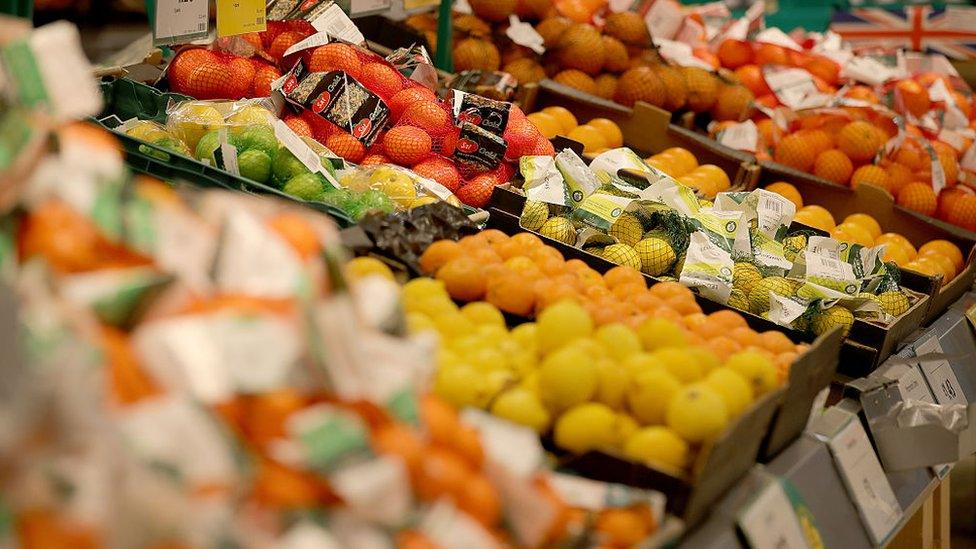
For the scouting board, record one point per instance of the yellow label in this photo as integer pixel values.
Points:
(416, 4)
(241, 17)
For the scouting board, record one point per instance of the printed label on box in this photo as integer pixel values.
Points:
(939, 373)
(180, 21)
(769, 521)
(866, 482)
(241, 17)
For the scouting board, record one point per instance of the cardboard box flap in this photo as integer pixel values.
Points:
(809, 374)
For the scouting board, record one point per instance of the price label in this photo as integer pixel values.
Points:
(769, 521)
(241, 17)
(938, 372)
(337, 24)
(180, 21)
(866, 482)
(366, 7)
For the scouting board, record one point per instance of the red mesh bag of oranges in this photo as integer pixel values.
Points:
(205, 74)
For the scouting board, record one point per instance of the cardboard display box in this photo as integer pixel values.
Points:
(809, 374)
(646, 129)
(842, 201)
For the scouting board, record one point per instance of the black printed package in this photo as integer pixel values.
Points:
(487, 114)
(478, 150)
(415, 64)
(339, 99)
(494, 84)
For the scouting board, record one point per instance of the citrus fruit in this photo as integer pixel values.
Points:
(567, 121)
(834, 316)
(611, 131)
(696, 413)
(657, 445)
(732, 387)
(592, 139)
(522, 406)
(788, 192)
(547, 124)
(650, 393)
(759, 297)
(859, 141)
(561, 324)
(584, 427)
(627, 229)
(559, 228)
(656, 255)
(866, 222)
(945, 248)
(794, 151)
(361, 267)
(534, 215)
(658, 333)
(833, 165)
(871, 175)
(918, 197)
(895, 303)
(756, 368)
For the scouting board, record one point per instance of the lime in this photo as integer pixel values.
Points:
(206, 147)
(286, 166)
(255, 165)
(251, 115)
(306, 186)
(261, 138)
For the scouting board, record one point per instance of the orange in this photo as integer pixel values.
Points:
(925, 266)
(591, 138)
(833, 165)
(871, 175)
(822, 214)
(777, 342)
(723, 346)
(851, 232)
(463, 278)
(948, 268)
(511, 294)
(441, 473)
(715, 175)
(728, 319)
(896, 239)
(771, 54)
(909, 156)
(734, 53)
(859, 141)
(298, 232)
(745, 336)
(912, 97)
(897, 254)
(823, 68)
(480, 499)
(963, 212)
(682, 157)
(398, 440)
(769, 132)
(439, 253)
(864, 93)
(819, 139)
(787, 191)
(621, 275)
(918, 197)
(866, 222)
(547, 124)
(950, 164)
(947, 198)
(945, 248)
(566, 119)
(898, 176)
(610, 130)
(794, 151)
(622, 527)
(751, 77)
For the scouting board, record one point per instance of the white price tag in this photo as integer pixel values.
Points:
(775, 36)
(769, 521)
(314, 41)
(335, 22)
(507, 444)
(664, 19)
(180, 21)
(679, 53)
(741, 137)
(790, 86)
(297, 147)
(365, 7)
(866, 482)
(229, 154)
(939, 374)
(524, 34)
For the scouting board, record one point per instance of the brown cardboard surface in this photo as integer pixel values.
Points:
(842, 201)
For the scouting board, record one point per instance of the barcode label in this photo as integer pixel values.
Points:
(201, 27)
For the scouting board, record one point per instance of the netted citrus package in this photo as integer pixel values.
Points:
(405, 189)
(205, 74)
(190, 121)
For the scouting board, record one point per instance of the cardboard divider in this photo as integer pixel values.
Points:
(842, 201)
(646, 129)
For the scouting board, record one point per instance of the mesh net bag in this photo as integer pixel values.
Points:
(206, 74)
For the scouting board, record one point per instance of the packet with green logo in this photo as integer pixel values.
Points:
(543, 181)
(601, 210)
(786, 311)
(825, 277)
(707, 268)
(579, 178)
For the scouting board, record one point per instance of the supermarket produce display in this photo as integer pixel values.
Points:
(637, 275)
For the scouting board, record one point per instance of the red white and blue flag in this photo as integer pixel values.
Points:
(950, 30)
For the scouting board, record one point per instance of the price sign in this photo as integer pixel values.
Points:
(180, 21)
(866, 482)
(241, 17)
(769, 520)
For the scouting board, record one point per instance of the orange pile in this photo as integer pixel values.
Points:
(523, 276)
(936, 257)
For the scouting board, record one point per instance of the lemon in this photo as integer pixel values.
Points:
(612, 383)
(534, 214)
(627, 229)
(638, 363)
(360, 267)
(739, 300)
(398, 186)
(483, 313)
(834, 316)
(525, 334)
(656, 255)
(190, 122)
(681, 364)
(697, 413)
(656, 446)
(419, 322)
(146, 131)
(705, 359)
(460, 385)
(522, 406)
(744, 276)
(894, 303)
(625, 428)
(618, 340)
(250, 115)
(423, 287)
(419, 201)
(453, 325)
(657, 333)
(650, 394)
(567, 377)
(732, 387)
(585, 427)
(622, 254)
(559, 228)
(759, 296)
(756, 368)
(562, 323)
